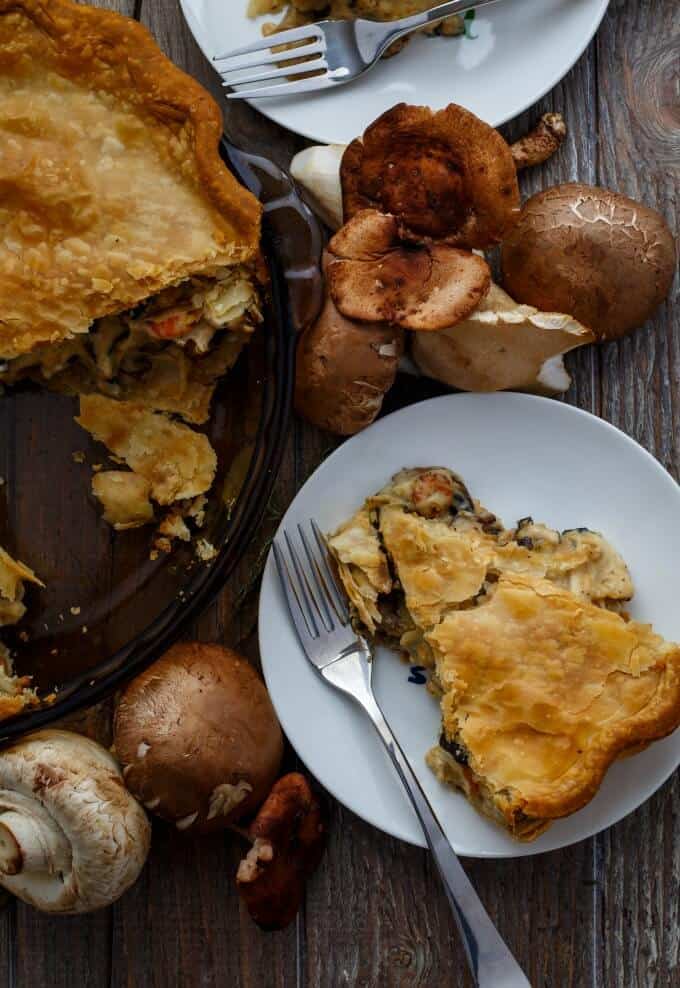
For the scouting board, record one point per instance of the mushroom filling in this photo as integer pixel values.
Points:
(173, 345)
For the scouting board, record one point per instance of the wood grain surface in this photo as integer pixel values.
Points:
(604, 913)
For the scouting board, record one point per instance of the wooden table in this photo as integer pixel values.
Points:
(603, 913)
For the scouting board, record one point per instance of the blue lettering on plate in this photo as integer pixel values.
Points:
(418, 675)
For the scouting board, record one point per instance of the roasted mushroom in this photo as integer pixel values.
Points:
(374, 276)
(344, 369)
(502, 345)
(198, 737)
(605, 259)
(72, 838)
(289, 837)
(444, 175)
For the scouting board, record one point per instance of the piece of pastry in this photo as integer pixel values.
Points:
(15, 691)
(176, 462)
(129, 258)
(542, 681)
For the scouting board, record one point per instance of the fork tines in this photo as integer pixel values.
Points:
(315, 599)
(249, 64)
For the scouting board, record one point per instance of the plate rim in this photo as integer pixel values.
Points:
(267, 107)
(523, 849)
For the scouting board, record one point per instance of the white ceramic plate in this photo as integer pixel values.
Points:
(520, 455)
(521, 50)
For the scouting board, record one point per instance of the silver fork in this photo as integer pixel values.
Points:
(343, 659)
(338, 52)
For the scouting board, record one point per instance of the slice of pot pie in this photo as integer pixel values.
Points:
(542, 681)
(129, 258)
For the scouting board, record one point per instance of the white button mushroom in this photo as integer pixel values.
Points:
(72, 838)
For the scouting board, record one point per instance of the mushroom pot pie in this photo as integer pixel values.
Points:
(128, 252)
(542, 679)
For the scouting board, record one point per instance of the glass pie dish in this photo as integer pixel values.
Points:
(108, 609)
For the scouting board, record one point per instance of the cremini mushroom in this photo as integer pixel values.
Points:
(502, 345)
(445, 175)
(374, 276)
(289, 837)
(344, 369)
(598, 255)
(316, 169)
(72, 838)
(198, 738)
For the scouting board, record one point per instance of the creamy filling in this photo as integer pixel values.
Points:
(170, 346)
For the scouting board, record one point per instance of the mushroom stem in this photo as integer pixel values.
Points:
(540, 143)
(23, 845)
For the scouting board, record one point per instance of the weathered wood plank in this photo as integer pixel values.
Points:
(639, 860)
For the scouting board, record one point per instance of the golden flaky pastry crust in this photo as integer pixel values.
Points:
(111, 184)
(544, 690)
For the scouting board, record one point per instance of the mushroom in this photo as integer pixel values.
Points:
(344, 369)
(374, 276)
(600, 256)
(502, 345)
(540, 143)
(444, 175)
(72, 838)
(198, 737)
(289, 837)
(316, 169)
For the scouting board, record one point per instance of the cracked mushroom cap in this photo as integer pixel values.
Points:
(445, 175)
(374, 276)
(72, 838)
(502, 345)
(605, 259)
(198, 737)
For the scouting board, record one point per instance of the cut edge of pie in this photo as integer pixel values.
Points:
(426, 568)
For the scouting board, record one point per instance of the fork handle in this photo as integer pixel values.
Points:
(432, 16)
(491, 962)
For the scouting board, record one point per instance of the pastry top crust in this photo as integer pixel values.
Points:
(111, 184)
(545, 690)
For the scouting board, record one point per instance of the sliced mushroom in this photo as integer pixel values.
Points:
(445, 175)
(72, 838)
(198, 737)
(600, 256)
(374, 276)
(288, 838)
(502, 345)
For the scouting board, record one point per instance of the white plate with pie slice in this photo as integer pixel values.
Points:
(519, 455)
(512, 54)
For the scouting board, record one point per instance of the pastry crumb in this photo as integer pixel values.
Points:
(205, 551)
(78, 456)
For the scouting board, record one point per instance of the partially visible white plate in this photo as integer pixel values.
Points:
(520, 455)
(521, 50)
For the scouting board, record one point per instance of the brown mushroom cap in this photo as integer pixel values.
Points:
(376, 277)
(597, 255)
(344, 370)
(445, 175)
(198, 738)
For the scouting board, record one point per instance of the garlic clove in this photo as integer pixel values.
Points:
(317, 172)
